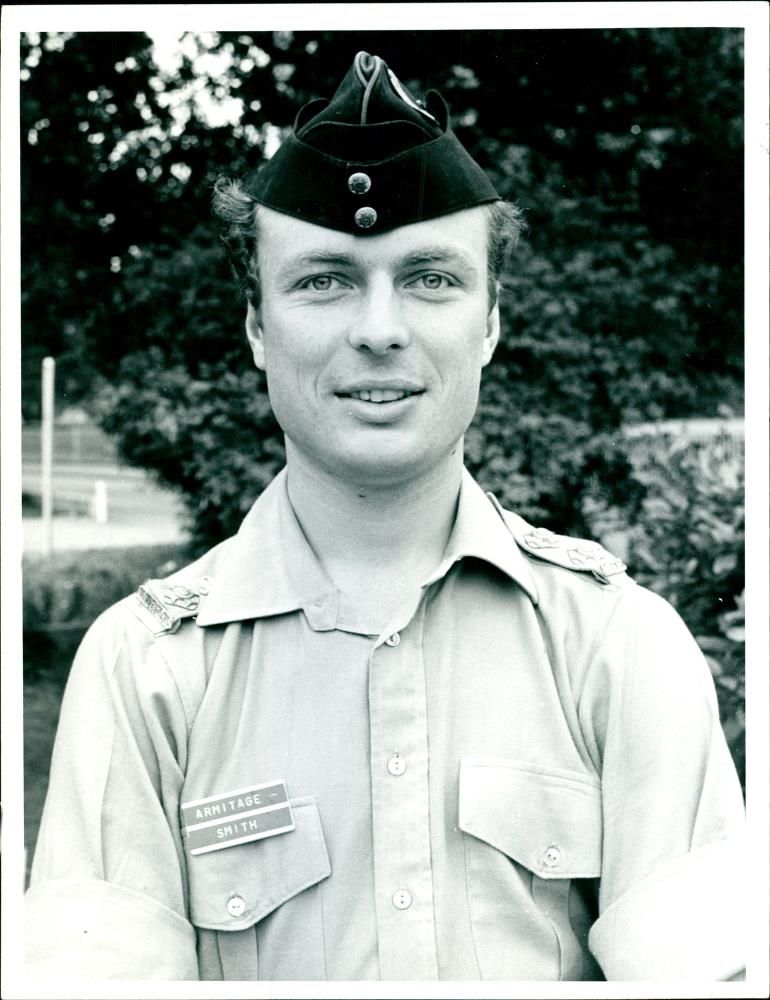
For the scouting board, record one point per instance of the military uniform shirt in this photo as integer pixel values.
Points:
(522, 777)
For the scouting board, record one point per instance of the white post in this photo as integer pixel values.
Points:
(46, 458)
(100, 506)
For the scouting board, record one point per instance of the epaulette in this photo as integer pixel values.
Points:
(163, 605)
(561, 550)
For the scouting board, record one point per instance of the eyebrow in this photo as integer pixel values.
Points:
(432, 254)
(323, 257)
(436, 255)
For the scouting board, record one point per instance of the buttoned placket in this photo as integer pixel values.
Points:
(400, 804)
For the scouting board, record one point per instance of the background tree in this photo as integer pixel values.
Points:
(623, 147)
(80, 106)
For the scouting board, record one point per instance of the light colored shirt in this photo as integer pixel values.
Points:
(523, 777)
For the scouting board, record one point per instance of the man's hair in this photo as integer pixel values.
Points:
(237, 212)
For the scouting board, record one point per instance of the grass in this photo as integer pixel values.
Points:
(42, 699)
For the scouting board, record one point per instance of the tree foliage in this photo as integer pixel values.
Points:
(622, 147)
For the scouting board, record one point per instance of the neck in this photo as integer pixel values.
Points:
(375, 540)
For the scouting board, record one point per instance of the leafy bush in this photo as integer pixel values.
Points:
(689, 546)
(64, 593)
(213, 436)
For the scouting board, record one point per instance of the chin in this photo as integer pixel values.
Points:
(379, 470)
(383, 467)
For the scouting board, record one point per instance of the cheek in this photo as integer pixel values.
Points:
(458, 351)
(295, 363)
(290, 353)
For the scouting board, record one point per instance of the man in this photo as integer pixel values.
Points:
(390, 730)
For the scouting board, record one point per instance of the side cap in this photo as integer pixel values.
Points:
(371, 159)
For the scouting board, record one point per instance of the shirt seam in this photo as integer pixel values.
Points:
(185, 695)
(598, 642)
(471, 921)
(111, 672)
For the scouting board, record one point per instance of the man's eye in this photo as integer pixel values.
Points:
(431, 282)
(321, 283)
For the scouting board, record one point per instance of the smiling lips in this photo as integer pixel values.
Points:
(380, 395)
(375, 395)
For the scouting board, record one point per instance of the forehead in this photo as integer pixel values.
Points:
(284, 240)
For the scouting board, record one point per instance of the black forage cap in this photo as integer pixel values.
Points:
(371, 159)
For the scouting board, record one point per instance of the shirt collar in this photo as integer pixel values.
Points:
(480, 532)
(270, 568)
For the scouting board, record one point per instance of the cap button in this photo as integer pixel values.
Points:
(365, 218)
(359, 183)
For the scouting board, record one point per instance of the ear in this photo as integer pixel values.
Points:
(492, 334)
(255, 338)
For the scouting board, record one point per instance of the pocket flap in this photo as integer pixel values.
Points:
(235, 887)
(547, 819)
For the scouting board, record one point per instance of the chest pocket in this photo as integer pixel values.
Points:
(262, 902)
(532, 846)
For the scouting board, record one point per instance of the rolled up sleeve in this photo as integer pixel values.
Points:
(672, 926)
(108, 895)
(103, 931)
(673, 886)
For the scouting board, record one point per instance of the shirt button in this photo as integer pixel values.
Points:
(365, 218)
(393, 640)
(359, 183)
(552, 856)
(402, 900)
(236, 906)
(396, 765)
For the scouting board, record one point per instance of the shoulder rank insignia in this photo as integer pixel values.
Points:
(561, 550)
(166, 604)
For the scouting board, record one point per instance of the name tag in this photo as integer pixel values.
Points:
(237, 817)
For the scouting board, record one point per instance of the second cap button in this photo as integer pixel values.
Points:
(365, 218)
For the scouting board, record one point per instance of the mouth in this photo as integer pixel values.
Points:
(379, 395)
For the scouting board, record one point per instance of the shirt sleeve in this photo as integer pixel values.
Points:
(107, 898)
(672, 890)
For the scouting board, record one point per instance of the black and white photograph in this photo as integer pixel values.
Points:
(384, 417)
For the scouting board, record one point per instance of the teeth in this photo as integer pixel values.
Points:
(379, 395)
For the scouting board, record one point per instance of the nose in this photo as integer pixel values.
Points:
(380, 325)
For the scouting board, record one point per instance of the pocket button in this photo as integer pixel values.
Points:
(236, 906)
(552, 856)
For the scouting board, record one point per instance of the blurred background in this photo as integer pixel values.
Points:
(613, 409)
